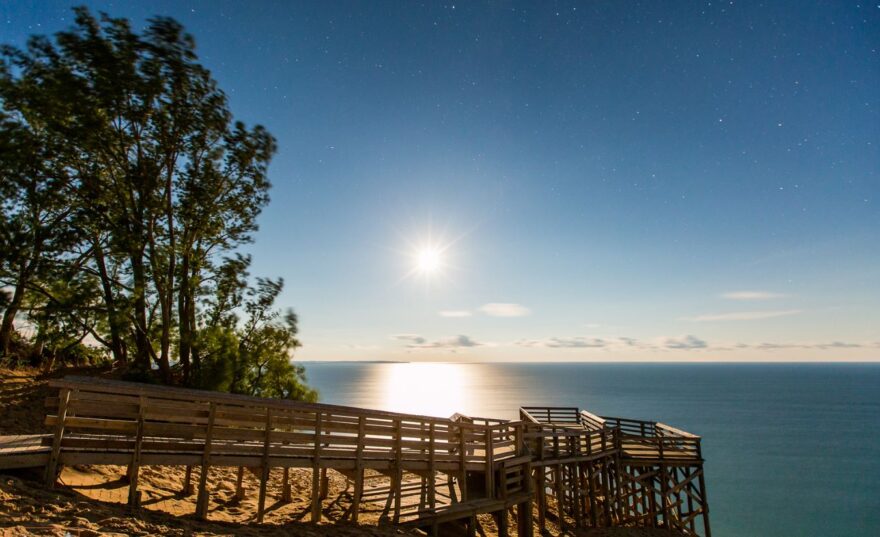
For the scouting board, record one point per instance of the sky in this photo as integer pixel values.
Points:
(621, 181)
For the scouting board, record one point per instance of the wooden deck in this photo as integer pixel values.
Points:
(24, 451)
(597, 471)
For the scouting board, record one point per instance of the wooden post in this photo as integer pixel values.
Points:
(239, 484)
(462, 453)
(705, 504)
(686, 474)
(502, 523)
(325, 484)
(264, 467)
(52, 467)
(560, 497)
(575, 482)
(202, 501)
(432, 468)
(490, 459)
(187, 489)
(594, 511)
(541, 486)
(359, 470)
(525, 526)
(664, 497)
(397, 480)
(286, 495)
(316, 474)
(135, 467)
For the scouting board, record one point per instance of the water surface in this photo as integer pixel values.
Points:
(791, 449)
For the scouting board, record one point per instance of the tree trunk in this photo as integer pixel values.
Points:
(8, 323)
(9, 314)
(116, 325)
(184, 329)
(141, 338)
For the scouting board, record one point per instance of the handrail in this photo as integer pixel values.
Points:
(591, 420)
(166, 392)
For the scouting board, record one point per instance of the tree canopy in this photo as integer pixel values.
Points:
(128, 190)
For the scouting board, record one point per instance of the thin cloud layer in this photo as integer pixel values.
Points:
(455, 313)
(741, 316)
(578, 342)
(503, 309)
(682, 343)
(751, 295)
(807, 346)
(415, 341)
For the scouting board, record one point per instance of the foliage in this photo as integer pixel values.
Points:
(127, 191)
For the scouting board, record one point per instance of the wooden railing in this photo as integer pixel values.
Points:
(570, 432)
(551, 414)
(109, 422)
(640, 439)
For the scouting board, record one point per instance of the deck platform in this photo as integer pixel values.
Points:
(595, 471)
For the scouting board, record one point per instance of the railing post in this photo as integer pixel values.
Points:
(203, 500)
(359, 470)
(490, 470)
(316, 471)
(540, 485)
(462, 456)
(264, 467)
(134, 469)
(706, 529)
(432, 467)
(55, 456)
(398, 471)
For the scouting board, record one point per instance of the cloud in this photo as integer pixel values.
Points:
(414, 341)
(751, 295)
(575, 343)
(741, 316)
(411, 338)
(817, 346)
(682, 343)
(455, 313)
(501, 309)
(679, 343)
(578, 342)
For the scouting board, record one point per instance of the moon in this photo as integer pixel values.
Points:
(428, 260)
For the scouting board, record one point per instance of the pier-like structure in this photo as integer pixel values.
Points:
(564, 464)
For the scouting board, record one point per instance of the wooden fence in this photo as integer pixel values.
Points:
(589, 471)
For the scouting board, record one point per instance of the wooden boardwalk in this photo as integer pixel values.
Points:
(582, 469)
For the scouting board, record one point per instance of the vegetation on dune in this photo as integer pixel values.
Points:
(126, 193)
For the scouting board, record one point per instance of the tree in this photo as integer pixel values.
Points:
(127, 141)
(260, 364)
(33, 212)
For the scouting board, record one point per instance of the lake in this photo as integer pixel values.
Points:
(791, 449)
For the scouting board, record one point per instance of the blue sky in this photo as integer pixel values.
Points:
(613, 180)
